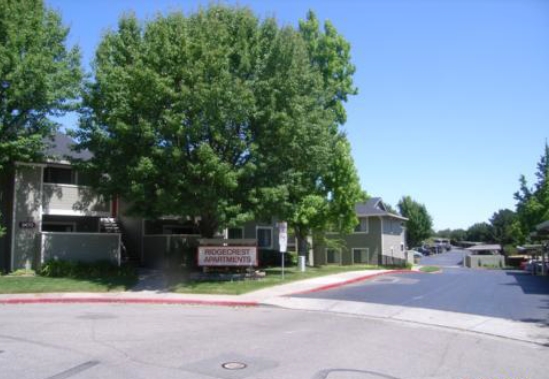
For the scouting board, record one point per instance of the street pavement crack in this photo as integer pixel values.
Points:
(325, 373)
(74, 370)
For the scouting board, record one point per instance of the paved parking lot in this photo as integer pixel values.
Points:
(512, 295)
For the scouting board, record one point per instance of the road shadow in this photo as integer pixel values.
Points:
(530, 284)
(151, 280)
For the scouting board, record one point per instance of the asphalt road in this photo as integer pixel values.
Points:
(89, 341)
(512, 295)
(453, 258)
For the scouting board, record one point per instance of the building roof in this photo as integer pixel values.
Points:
(375, 207)
(485, 248)
(544, 226)
(59, 148)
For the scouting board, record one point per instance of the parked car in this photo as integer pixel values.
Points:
(423, 250)
(535, 266)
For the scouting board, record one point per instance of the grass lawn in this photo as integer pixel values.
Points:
(40, 284)
(179, 283)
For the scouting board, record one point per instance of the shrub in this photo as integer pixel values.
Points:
(22, 272)
(68, 269)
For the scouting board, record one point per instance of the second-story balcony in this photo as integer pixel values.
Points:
(73, 200)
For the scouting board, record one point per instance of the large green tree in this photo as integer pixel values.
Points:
(533, 202)
(419, 225)
(334, 191)
(505, 227)
(39, 77)
(480, 232)
(215, 115)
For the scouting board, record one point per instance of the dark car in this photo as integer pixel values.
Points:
(423, 250)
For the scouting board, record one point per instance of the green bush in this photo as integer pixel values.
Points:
(269, 258)
(67, 269)
(22, 272)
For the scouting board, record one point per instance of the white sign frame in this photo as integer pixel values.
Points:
(227, 256)
(283, 237)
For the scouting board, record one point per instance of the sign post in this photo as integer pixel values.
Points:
(283, 242)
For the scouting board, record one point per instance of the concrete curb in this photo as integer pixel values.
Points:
(126, 300)
(463, 322)
(352, 281)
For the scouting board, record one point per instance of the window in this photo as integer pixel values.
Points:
(361, 255)
(333, 256)
(178, 229)
(59, 175)
(58, 227)
(362, 226)
(235, 233)
(264, 237)
(391, 227)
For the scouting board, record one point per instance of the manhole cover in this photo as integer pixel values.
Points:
(234, 366)
(231, 366)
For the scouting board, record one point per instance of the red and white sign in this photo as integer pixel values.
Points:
(224, 256)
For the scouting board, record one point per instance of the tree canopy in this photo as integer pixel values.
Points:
(479, 232)
(419, 225)
(39, 78)
(221, 117)
(505, 227)
(533, 202)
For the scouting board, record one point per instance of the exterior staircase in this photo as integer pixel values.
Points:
(112, 225)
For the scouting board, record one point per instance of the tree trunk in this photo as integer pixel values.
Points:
(208, 226)
(302, 244)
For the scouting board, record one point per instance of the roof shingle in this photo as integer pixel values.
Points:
(60, 148)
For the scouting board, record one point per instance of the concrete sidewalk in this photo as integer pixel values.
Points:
(147, 293)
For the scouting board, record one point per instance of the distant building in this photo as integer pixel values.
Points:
(379, 238)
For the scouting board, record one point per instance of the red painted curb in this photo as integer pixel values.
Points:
(351, 281)
(80, 300)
